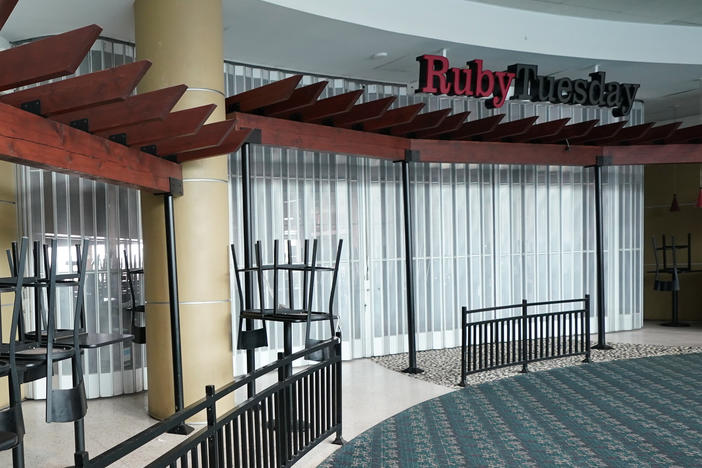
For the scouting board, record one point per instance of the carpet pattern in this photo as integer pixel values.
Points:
(443, 366)
(629, 413)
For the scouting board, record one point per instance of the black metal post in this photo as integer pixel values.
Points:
(599, 260)
(248, 284)
(409, 270)
(338, 440)
(182, 429)
(464, 332)
(525, 337)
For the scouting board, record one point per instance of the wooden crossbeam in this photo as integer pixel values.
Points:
(449, 125)
(135, 109)
(185, 122)
(300, 98)
(601, 132)
(312, 137)
(571, 131)
(230, 144)
(208, 136)
(363, 112)
(325, 109)
(492, 152)
(393, 118)
(657, 134)
(476, 127)
(685, 135)
(114, 84)
(626, 134)
(35, 141)
(426, 121)
(47, 58)
(654, 154)
(263, 96)
(542, 130)
(6, 7)
(509, 129)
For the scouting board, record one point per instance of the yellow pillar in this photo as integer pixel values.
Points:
(183, 40)
(8, 234)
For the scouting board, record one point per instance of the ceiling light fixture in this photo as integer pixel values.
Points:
(378, 55)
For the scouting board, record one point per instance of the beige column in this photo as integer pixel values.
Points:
(183, 40)
(8, 234)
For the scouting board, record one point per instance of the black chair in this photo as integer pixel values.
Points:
(136, 310)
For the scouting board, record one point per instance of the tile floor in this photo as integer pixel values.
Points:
(371, 394)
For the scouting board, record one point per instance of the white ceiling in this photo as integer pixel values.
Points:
(677, 12)
(259, 32)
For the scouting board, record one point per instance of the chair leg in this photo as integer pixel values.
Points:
(18, 456)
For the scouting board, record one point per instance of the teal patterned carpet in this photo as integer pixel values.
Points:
(633, 413)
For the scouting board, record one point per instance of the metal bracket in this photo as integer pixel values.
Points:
(176, 187)
(255, 137)
(32, 106)
(603, 160)
(151, 149)
(170, 157)
(411, 155)
(80, 124)
(120, 138)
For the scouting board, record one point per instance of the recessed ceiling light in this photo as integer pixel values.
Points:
(378, 55)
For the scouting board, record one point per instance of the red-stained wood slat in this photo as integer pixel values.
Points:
(627, 134)
(657, 134)
(571, 131)
(46, 58)
(601, 132)
(503, 153)
(654, 154)
(539, 131)
(181, 123)
(263, 96)
(393, 118)
(208, 136)
(685, 135)
(449, 125)
(300, 98)
(38, 142)
(114, 84)
(509, 129)
(6, 7)
(426, 121)
(363, 112)
(291, 134)
(145, 107)
(231, 143)
(325, 109)
(476, 127)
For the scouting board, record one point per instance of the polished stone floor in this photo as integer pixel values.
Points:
(371, 393)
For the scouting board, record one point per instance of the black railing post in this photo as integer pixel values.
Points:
(463, 346)
(339, 440)
(409, 267)
(281, 422)
(525, 337)
(248, 234)
(587, 328)
(213, 449)
(183, 429)
(599, 260)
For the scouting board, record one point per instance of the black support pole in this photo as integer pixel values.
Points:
(599, 259)
(409, 270)
(248, 285)
(182, 429)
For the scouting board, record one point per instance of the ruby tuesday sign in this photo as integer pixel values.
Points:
(437, 77)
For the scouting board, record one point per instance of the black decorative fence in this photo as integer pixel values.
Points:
(524, 338)
(273, 428)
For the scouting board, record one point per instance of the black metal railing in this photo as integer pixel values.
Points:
(273, 428)
(524, 338)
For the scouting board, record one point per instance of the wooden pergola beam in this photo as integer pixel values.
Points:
(627, 134)
(185, 122)
(35, 141)
(47, 58)
(572, 131)
(312, 137)
(103, 87)
(543, 130)
(476, 127)
(230, 144)
(684, 135)
(514, 128)
(363, 112)
(154, 105)
(449, 125)
(299, 99)
(653, 154)
(426, 121)
(327, 108)
(393, 118)
(6, 7)
(263, 96)
(601, 132)
(208, 136)
(657, 134)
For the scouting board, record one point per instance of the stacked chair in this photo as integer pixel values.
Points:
(136, 310)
